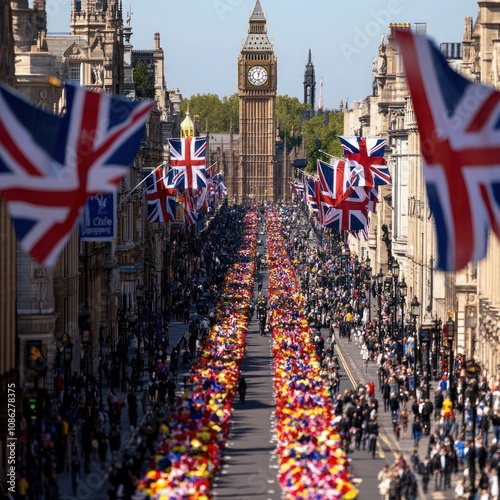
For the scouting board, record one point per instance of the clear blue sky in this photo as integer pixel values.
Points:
(202, 38)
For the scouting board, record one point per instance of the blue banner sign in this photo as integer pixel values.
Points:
(98, 221)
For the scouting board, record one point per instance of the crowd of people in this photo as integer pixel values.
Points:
(339, 302)
(73, 431)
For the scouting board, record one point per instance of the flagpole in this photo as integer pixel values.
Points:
(143, 180)
(331, 156)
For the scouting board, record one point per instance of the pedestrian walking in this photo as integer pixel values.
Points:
(132, 408)
(242, 388)
(75, 475)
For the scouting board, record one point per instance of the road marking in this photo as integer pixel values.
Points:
(354, 384)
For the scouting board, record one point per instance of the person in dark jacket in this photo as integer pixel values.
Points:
(242, 388)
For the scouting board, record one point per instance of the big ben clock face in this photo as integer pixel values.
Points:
(257, 75)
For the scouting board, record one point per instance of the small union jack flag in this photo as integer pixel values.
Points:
(310, 193)
(368, 152)
(161, 197)
(50, 165)
(459, 124)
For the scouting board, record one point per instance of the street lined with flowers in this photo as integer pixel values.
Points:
(312, 462)
(190, 454)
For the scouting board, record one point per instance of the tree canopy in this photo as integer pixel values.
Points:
(143, 81)
(217, 112)
(319, 132)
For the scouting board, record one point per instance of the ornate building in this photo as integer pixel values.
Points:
(66, 312)
(8, 364)
(262, 173)
(471, 297)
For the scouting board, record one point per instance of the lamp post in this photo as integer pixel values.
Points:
(395, 276)
(368, 279)
(67, 351)
(356, 270)
(380, 281)
(402, 295)
(425, 335)
(415, 312)
(471, 323)
(472, 371)
(450, 335)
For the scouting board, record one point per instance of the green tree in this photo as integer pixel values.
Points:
(212, 110)
(289, 113)
(143, 81)
(320, 134)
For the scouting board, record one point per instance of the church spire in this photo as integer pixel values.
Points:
(320, 98)
(310, 84)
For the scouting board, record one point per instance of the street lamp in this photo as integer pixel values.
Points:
(415, 312)
(471, 323)
(395, 276)
(472, 371)
(380, 281)
(67, 351)
(402, 295)
(368, 279)
(450, 335)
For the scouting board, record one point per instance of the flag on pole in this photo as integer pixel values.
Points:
(459, 125)
(50, 164)
(160, 196)
(368, 152)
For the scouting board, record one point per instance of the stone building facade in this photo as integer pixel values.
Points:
(65, 313)
(8, 362)
(470, 297)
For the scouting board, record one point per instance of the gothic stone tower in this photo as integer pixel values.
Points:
(100, 24)
(257, 176)
(310, 84)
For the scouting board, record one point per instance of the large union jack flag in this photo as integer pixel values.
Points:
(350, 215)
(50, 165)
(188, 154)
(161, 194)
(368, 152)
(459, 124)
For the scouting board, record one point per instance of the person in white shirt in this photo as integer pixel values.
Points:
(494, 487)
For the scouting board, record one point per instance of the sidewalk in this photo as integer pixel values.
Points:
(349, 356)
(95, 484)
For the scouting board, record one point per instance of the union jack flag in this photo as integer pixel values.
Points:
(368, 152)
(350, 215)
(459, 124)
(161, 197)
(50, 165)
(311, 194)
(188, 154)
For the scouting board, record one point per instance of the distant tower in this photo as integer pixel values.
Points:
(258, 176)
(310, 84)
(320, 98)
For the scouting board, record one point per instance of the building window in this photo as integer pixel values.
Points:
(74, 71)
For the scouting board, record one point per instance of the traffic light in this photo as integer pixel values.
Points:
(32, 409)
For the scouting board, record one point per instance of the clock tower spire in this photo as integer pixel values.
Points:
(259, 176)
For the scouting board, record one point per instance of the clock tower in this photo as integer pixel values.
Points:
(259, 176)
